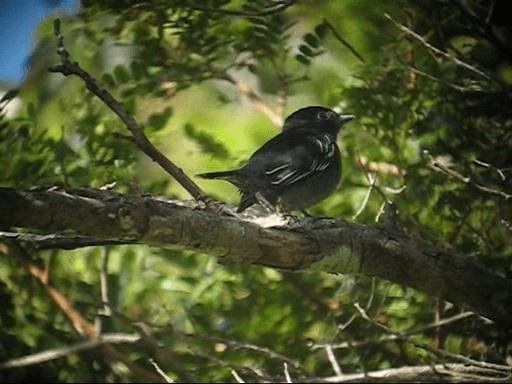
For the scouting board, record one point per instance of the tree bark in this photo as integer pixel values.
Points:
(322, 244)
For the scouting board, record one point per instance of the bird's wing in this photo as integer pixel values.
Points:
(302, 159)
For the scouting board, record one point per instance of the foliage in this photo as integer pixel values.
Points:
(424, 118)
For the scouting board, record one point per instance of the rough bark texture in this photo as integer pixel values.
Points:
(327, 245)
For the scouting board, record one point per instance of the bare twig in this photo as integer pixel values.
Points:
(343, 41)
(442, 322)
(57, 353)
(237, 376)
(105, 299)
(236, 345)
(58, 241)
(67, 68)
(434, 164)
(499, 369)
(438, 80)
(380, 167)
(507, 224)
(161, 372)
(437, 51)
(366, 198)
(483, 164)
(332, 359)
(455, 373)
(287, 374)
(372, 181)
(388, 208)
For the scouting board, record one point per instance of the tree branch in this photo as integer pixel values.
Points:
(321, 244)
(343, 41)
(59, 241)
(67, 68)
(57, 353)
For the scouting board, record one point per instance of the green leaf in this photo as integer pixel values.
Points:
(158, 120)
(306, 51)
(9, 95)
(121, 74)
(321, 30)
(312, 40)
(107, 80)
(206, 142)
(303, 59)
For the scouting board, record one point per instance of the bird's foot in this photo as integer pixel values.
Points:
(219, 208)
(262, 200)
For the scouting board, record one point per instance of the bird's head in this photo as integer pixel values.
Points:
(316, 117)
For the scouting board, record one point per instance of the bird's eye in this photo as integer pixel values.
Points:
(323, 115)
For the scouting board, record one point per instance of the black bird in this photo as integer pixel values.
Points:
(296, 169)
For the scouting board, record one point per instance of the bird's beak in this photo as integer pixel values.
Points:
(342, 119)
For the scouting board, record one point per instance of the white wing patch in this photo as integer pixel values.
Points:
(327, 146)
(277, 169)
(286, 177)
(288, 173)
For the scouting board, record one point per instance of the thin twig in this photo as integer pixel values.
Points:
(380, 167)
(105, 299)
(343, 41)
(287, 374)
(160, 371)
(57, 241)
(67, 68)
(373, 182)
(440, 81)
(366, 198)
(236, 345)
(57, 353)
(434, 164)
(437, 51)
(424, 374)
(332, 359)
(438, 352)
(500, 173)
(237, 376)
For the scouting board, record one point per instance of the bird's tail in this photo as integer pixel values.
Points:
(223, 175)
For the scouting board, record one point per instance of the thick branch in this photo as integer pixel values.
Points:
(327, 245)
